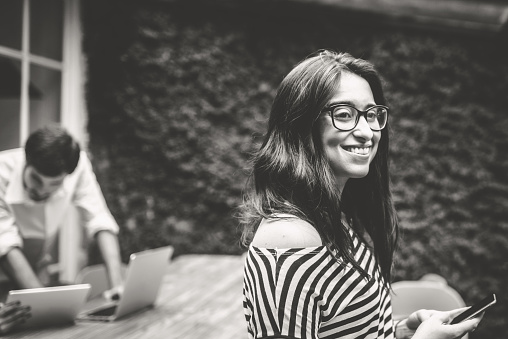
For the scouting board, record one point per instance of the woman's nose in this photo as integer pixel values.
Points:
(362, 129)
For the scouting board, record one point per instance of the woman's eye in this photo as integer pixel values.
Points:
(342, 114)
(371, 115)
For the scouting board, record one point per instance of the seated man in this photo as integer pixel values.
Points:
(38, 184)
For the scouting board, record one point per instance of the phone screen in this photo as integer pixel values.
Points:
(475, 309)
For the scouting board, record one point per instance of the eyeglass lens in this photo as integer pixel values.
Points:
(347, 117)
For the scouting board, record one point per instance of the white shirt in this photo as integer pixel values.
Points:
(24, 221)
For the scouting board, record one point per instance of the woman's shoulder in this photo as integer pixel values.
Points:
(286, 231)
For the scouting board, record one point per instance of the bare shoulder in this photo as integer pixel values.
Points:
(286, 232)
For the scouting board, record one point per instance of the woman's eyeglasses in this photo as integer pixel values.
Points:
(345, 117)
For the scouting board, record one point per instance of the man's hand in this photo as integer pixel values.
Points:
(114, 293)
(12, 314)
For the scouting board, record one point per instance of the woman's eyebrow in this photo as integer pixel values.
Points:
(347, 102)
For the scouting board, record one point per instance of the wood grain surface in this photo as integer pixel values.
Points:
(201, 297)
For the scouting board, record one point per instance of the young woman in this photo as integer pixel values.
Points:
(320, 224)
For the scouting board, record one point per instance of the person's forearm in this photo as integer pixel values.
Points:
(17, 268)
(110, 250)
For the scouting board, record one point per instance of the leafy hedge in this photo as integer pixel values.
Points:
(178, 95)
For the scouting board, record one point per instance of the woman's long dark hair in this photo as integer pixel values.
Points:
(291, 173)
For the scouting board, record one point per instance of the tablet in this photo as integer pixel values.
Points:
(51, 305)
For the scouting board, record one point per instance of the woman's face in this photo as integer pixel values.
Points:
(350, 153)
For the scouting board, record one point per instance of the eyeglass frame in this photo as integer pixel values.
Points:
(361, 113)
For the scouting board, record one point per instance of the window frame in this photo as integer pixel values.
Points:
(72, 107)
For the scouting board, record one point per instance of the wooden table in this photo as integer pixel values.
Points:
(201, 297)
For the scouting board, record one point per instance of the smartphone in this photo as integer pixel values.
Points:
(476, 309)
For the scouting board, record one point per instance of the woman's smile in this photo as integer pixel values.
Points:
(361, 151)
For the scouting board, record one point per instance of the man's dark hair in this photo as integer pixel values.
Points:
(52, 151)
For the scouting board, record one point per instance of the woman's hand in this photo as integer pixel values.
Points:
(402, 331)
(406, 328)
(434, 324)
(12, 314)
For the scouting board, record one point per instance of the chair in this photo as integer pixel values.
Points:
(97, 277)
(430, 292)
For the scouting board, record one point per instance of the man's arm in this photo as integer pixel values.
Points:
(12, 260)
(99, 222)
(110, 250)
(19, 270)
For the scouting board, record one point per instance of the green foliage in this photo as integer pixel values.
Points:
(178, 98)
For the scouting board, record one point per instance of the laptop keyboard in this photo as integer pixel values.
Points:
(106, 311)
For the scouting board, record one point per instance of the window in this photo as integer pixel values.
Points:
(41, 68)
(41, 82)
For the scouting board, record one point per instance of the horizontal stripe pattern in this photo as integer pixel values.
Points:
(307, 293)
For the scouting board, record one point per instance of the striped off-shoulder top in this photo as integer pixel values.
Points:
(306, 293)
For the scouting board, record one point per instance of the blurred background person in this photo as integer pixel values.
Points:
(38, 184)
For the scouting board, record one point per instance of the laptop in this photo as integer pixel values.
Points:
(51, 305)
(142, 282)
